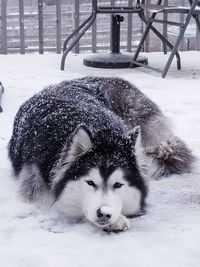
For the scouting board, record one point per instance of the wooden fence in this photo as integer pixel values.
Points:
(30, 26)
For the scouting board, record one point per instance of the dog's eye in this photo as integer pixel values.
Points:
(117, 185)
(91, 183)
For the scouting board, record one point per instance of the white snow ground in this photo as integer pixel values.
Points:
(168, 236)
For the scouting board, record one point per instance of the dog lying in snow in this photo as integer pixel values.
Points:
(89, 146)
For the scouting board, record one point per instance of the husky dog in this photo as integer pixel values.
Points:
(89, 145)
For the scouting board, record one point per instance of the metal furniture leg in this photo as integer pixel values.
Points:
(178, 58)
(197, 22)
(114, 59)
(67, 50)
(181, 34)
(141, 44)
(75, 32)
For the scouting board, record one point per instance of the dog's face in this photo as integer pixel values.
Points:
(105, 199)
(99, 185)
(101, 199)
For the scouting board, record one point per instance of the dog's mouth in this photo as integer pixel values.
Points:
(103, 224)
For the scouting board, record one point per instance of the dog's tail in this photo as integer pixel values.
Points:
(159, 152)
(170, 157)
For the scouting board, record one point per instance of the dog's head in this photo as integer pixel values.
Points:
(98, 177)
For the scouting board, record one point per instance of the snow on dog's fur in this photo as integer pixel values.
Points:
(89, 145)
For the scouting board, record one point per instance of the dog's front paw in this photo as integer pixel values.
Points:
(122, 224)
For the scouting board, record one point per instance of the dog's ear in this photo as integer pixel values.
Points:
(81, 141)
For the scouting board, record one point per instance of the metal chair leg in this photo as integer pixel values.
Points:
(197, 22)
(150, 27)
(178, 58)
(164, 40)
(75, 32)
(141, 43)
(93, 18)
(180, 37)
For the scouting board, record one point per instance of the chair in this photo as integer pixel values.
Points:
(193, 10)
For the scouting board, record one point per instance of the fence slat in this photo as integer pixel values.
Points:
(130, 27)
(112, 3)
(94, 37)
(4, 45)
(197, 40)
(51, 37)
(58, 26)
(41, 27)
(76, 22)
(21, 25)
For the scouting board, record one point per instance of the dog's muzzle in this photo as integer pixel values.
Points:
(104, 215)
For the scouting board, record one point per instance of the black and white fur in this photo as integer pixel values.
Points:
(89, 145)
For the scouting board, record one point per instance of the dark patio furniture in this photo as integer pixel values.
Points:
(115, 59)
(193, 10)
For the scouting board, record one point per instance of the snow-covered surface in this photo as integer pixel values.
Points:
(168, 236)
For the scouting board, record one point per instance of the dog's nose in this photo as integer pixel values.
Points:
(104, 214)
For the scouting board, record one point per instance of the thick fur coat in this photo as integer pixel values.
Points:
(68, 129)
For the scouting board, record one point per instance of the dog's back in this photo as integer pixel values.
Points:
(159, 152)
(45, 122)
(114, 106)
